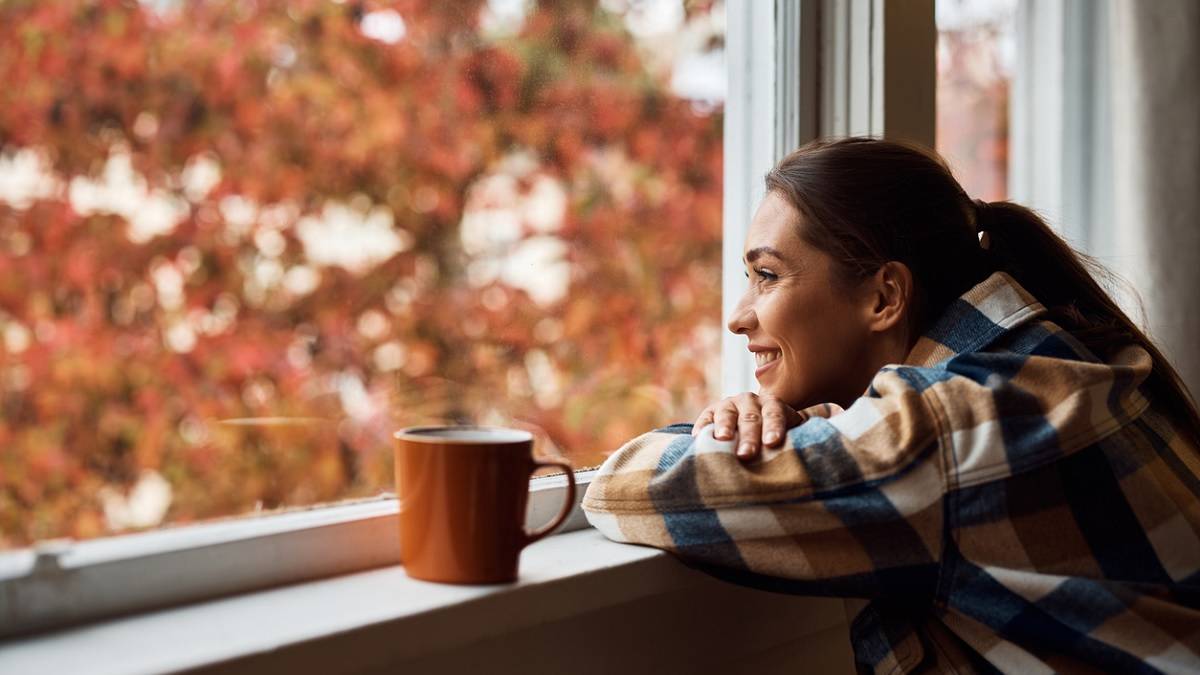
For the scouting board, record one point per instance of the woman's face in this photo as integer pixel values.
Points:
(808, 333)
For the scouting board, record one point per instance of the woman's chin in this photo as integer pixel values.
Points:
(791, 398)
(797, 400)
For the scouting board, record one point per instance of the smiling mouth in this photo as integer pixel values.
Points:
(763, 358)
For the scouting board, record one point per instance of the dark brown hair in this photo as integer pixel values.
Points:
(866, 202)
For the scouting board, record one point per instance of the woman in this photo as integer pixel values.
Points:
(1014, 482)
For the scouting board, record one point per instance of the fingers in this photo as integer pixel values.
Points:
(749, 427)
(742, 414)
(725, 417)
(775, 420)
(756, 420)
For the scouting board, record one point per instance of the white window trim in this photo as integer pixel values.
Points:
(770, 109)
(877, 69)
(59, 582)
(822, 70)
(1061, 111)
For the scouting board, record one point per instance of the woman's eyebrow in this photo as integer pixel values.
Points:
(755, 253)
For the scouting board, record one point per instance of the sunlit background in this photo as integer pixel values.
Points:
(370, 213)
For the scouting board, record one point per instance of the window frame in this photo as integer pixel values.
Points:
(59, 582)
(829, 68)
(1061, 112)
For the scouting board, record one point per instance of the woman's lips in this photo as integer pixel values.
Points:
(765, 360)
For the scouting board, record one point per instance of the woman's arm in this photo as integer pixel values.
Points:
(845, 506)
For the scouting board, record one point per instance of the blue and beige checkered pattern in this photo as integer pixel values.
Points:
(1002, 500)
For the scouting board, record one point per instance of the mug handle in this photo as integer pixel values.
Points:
(546, 529)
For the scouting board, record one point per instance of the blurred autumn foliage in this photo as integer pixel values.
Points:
(973, 94)
(130, 327)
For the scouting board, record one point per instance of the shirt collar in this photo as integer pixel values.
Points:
(976, 319)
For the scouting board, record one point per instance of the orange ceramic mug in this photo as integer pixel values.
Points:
(462, 493)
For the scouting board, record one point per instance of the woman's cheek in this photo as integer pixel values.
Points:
(794, 383)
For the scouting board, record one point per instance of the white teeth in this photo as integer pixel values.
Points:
(763, 358)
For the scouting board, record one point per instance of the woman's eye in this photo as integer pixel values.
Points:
(766, 275)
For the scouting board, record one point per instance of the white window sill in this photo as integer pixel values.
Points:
(60, 583)
(380, 618)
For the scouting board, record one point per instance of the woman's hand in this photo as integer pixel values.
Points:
(758, 420)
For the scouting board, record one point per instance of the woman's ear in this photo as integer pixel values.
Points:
(889, 299)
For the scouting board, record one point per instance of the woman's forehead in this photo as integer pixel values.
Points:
(774, 229)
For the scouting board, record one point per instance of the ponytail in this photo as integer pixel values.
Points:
(1020, 243)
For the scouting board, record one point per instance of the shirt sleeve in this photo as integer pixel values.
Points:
(849, 505)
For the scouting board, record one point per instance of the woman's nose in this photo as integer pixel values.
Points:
(742, 320)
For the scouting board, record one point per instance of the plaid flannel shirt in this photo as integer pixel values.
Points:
(1002, 500)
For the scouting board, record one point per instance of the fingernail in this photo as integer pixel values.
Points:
(771, 436)
(746, 450)
(722, 432)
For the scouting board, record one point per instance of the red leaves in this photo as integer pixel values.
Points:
(128, 367)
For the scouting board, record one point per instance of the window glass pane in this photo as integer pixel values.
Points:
(241, 242)
(975, 59)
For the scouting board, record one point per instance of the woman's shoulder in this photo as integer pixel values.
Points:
(1033, 397)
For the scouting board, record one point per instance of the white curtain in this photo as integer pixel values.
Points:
(1156, 162)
